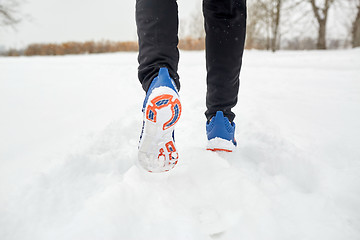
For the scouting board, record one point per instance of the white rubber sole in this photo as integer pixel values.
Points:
(219, 144)
(157, 150)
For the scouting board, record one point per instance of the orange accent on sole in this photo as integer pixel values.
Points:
(154, 107)
(218, 150)
(161, 153)
(170, 145)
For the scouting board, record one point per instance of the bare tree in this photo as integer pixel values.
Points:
(259, 24)
(253, 28)
(9, 15)
(264, 23)
(356, 27)
(321, 15)
(275, 23)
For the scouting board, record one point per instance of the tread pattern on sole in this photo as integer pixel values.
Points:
(157, 152)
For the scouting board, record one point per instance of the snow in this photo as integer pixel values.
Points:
(69, 129)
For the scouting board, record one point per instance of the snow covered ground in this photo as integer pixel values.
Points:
(69, 128)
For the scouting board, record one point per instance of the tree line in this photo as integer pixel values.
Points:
(294, 24)
(271, 25)
(275, 19)
(89, 47)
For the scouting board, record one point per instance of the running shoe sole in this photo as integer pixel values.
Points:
(157, 150)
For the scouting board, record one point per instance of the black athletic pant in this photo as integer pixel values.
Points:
(225, 25)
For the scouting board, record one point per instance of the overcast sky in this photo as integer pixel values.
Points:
(79, 20)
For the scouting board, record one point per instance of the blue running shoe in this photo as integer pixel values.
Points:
(162, 110)
(220, 133)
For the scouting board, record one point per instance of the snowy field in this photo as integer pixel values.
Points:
(69, 128)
